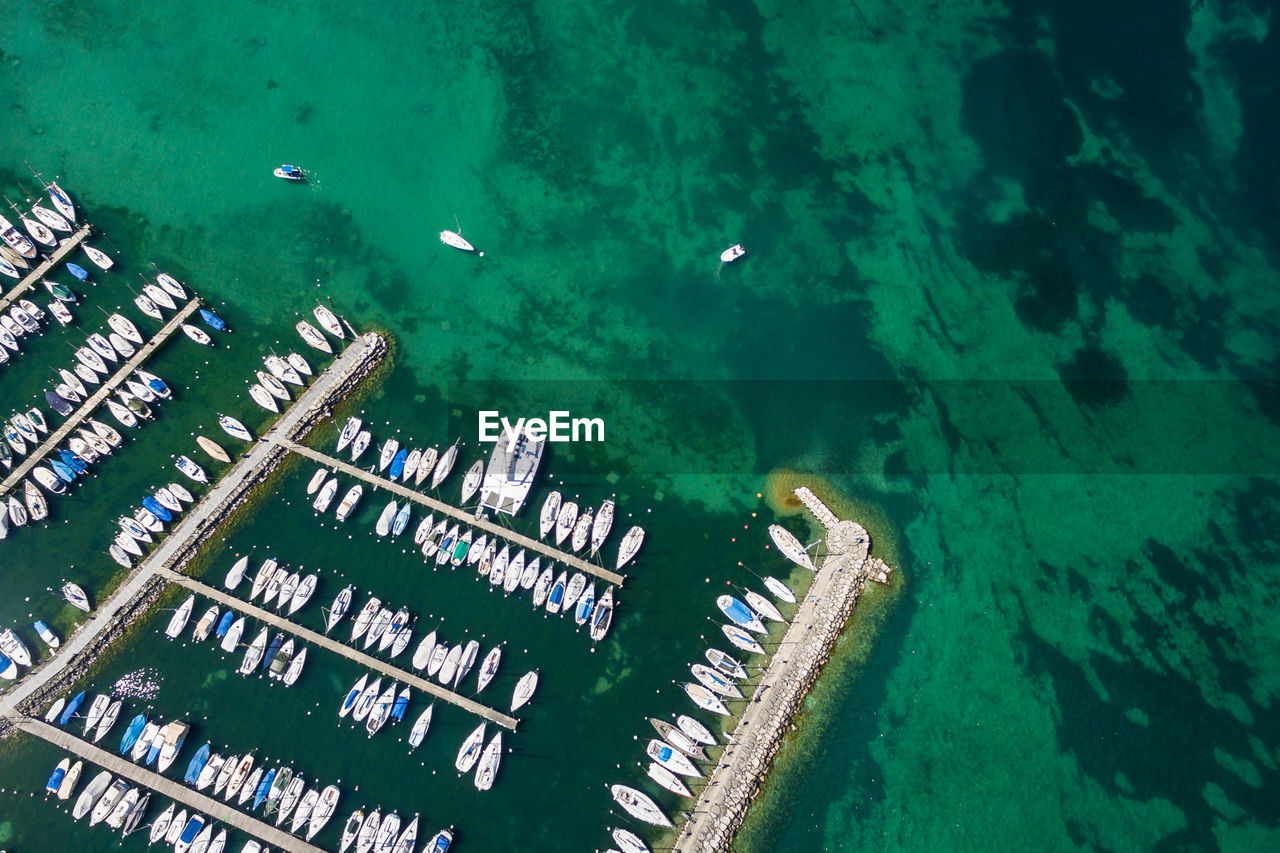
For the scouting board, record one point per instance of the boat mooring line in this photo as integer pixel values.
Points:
(356, 655)
(192, 799)
(28, 283)
(97, 397)
(461, 515)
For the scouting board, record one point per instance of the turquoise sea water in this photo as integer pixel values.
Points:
(1011, 286)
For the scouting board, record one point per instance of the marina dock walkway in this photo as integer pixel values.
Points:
(97, 397)
(188, 797)
(31, 279)
(353, 654)
(203, 518)
(778, 696)
(463, 516)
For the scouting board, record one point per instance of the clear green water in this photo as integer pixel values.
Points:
(1011, 284)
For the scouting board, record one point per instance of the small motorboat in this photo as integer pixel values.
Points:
(287, 172)
(168, 500)
(197, 334)
(50, 639)
(326, 495)
(328, 321)
(349, 502)
(100, 258)
(732, 253)
(312, 336)
(48, 480)
(16, 239)
(234, 428)
(25, 320)
(191, 469)
(454, 239)
(61, 292)
(630, 546)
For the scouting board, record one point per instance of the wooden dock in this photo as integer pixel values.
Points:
(325, 642)
(96, 399)
(460, 515)
(31, 279)
(189, 798)
(202, 519)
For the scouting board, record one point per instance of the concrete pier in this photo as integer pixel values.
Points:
(814, 629)
(200, 521)
(189, 798)
(436, 506)
(31, 279)
(325, 642)
(96, 399)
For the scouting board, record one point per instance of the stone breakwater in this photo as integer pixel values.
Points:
(842, 575)
(135, 597)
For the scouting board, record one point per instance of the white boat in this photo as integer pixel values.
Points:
(146, 306)
(206, 623)
(740, 613)
(197, 334)
(317, 480)
(306, 588)
(106, 433)
(438, 655)
(9, 269)
(89, 796)
(411, 465)
(565, 521)
(50, 639)
(531, 573)
(450, 667)
(368, 832)
(763, 606)
(171, 739)
(445, 465)
(628, 841)
(471, 481)
(725, 663)
(543, 587)
(602, 525)
(360, 443)
(631, 543)
(424, 530)
(90, 359)
(364, 704)
(742, 639)
(167, 499)
(577, 585)
(17, 512)
(667, 779)
(525, 687)
(38, 230)
(515, 573)
(305, 806)
(667, 756)
(326, 496)
(426, 465)
(469, 752)
(381, 710)
(107, 804)
(365, 617)
(550, 511)
(780, 590)
(260, 396)
(253, 655)
(266, 572)
(511, 471)
(17, 241)
(178, 620)
(732, 253)
(408, 838)
(36, 504)
(602, 616)
(191, 469)
(555, 598)
(389, 448)
(120, 345)
(422, 655)
(465, 663)
(171, 285)
(387, 832)
(96, 710)
(328, 321)
(341, 603)
(487, 770)
(454, 239)
(325, 806)
(176, 828)
(420, 726)
(705, 699)
(639, 805)
(383, 527)
(158, 296)
(353, 696)
(161, 824)
(791, 547)
(124, 327)
(349, 432)
(298, 363)
(350, 830)
(488, 668)
(52, 220)
(120, 556)
(312, 336)
(498, 570)
(717, 682)
(100, 258)
(581, 531)
(234, 428)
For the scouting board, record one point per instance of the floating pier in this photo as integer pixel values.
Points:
(736, 779)
(325, 642)
(461, 515)
(199, 523)
(30, 280)
(36, 456)
(190, 798)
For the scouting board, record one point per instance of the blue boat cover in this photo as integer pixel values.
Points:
(224, 624)
(60, 468)
(156, 509)
(77, 271)
(136, 725)
(397, 464)
(212, 320)
(70, 710)
(196, 764)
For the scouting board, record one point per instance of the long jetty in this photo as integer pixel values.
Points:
(200, 522)
(821, 616)
(326, 642)
(28, 282)
(96, 399)
(462, 516)
(164, 786)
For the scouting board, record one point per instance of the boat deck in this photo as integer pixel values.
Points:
(57, 436)
(189, 798)
(437, 506)
(31, 279)
(326, 642)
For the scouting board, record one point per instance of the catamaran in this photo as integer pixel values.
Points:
(510, 473)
